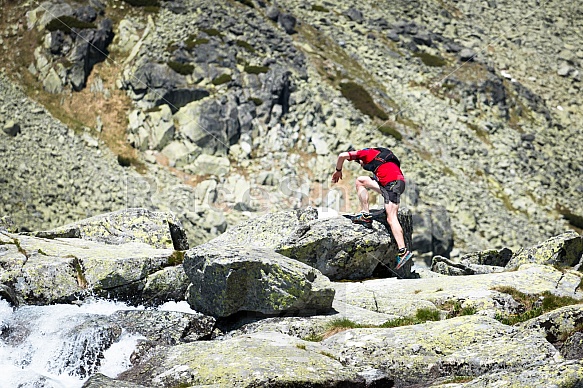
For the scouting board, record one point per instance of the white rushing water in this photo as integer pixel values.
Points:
(61, 346)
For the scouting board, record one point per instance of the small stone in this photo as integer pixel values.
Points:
(564, 70)
(11, 128)
(467, 55)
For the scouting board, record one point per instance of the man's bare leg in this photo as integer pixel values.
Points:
(363, 183)
(392, 209)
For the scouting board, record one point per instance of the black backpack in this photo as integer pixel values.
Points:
(385, 156)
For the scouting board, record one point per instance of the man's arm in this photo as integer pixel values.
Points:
(339, 163)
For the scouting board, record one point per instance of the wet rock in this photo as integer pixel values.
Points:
(99, 380)
(165, 327)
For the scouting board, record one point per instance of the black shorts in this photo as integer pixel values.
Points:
(392, 191)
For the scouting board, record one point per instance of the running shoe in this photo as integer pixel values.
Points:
(363, 219)
(402, 259)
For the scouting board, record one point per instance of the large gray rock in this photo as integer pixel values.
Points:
(167, 284)
(565, 249)
(403, 298)
(343, 250)
(559, 374)
(419, 354)
(270, 230)
(557, 324)
(227, 279)
(89, 48)
(151, 130)
(158, 229)
(263, 359)
(33, 266)
(445, 266)
(206, 124)
(148, 81)
(336, 247)
(491, 257)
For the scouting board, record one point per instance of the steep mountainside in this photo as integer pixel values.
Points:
(236, 108)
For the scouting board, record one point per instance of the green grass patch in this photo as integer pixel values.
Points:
(222, 79)
(256, 101)
(301, 346)
(398, 322)
(339, 325)
(66, 23)
(245, 45)
(533, 305)
(211, 32)
(421, 316)
(256, 69)
(314, 338)
(389, 130)
(192, 42)
(362, 100)
(455, 309)
(427, 314)
(459, 380)
(319, 8)
(181, 68)
(344, 323)
(430, 60)
(552, 302)
(143, 3)
(328, 354)
(177, 257)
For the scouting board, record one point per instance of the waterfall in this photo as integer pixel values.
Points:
(61, 346)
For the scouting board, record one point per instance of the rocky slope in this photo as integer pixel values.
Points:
(250, 101)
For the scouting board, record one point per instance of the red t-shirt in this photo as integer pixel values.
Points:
(387, 172)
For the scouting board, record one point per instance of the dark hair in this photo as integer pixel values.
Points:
(350, 148)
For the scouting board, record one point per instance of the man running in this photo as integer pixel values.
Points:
(387, 180)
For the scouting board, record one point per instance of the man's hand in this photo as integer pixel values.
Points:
(336, 176)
